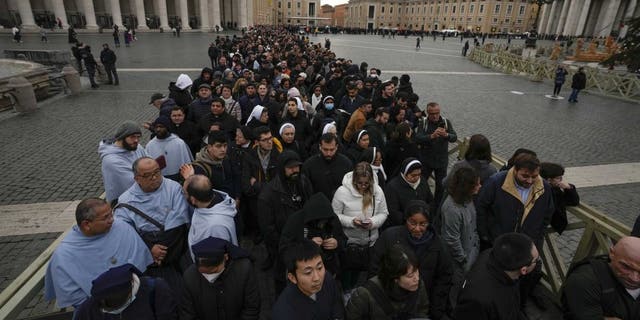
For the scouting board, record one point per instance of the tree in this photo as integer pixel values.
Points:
(629, 54)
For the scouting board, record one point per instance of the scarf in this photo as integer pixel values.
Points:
(414, 186)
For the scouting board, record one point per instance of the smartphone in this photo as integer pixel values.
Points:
(366, 222)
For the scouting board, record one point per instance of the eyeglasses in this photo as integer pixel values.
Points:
(151, 175)
(414, 224)
(363, 184)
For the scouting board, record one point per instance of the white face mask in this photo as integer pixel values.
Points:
(211, 277)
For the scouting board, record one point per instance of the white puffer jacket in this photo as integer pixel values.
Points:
(347, 204)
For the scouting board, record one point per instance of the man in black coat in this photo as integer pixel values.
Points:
(578, 82)
(317, 222)
(108, 59)
(376, 128)
(285, 194)
(219, 116)
(433, 135)
(326, 169)
(312, 292)
(122, 292)
(490, 290)
(221, 284)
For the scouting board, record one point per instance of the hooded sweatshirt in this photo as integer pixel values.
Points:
(117, 174)
(179, 92)
(347, 205)
(216, 221)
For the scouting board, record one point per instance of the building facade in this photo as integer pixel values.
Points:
(297, 12)
(598, 18)
(495, 16)
(138, 14)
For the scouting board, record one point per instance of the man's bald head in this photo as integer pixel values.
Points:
(199, 187)
(625, 262)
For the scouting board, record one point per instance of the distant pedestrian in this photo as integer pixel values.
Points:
(59, 23)
(73, 35)
(178, 29)
(116, 36)
(108, 59)
(444, 35)
(127, 37)
(17, 36)
(43, 35)
(578, 82)
(89, 63)
(418, 43)
(561, 74)
(465, 48)
(434, 36)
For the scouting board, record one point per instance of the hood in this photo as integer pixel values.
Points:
(183, 81)
(203, 156)
(206, 70)
(317, 207)
(347, 183)
(171, 137)
(283, 158)
(107, 147)
(227, 207)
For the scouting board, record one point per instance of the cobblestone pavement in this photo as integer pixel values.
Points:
(51, 155)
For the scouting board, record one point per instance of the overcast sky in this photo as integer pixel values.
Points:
(333, 2)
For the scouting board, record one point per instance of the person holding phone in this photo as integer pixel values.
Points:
(362, 208)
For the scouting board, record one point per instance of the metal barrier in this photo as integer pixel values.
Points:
(610, 84)
(600, 232)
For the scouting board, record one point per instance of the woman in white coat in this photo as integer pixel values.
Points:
(361, 207)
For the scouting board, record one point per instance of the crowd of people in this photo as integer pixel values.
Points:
(323, 166)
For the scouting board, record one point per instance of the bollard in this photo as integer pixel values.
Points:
(72, 77)
(24, 95)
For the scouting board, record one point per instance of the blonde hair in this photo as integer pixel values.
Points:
(363, 170)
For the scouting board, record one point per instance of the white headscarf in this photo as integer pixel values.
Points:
(255, 113)
(284, 126)
(328, 126)
(299, 103)
(379, 168)
(183, 81)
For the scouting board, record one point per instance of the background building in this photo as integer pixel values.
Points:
(297, 12)
(562, 17)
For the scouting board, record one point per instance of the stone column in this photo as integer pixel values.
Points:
(115, 12)
(227, 12)
(184, 14)
(204, 16)
(59, 12)
(242, 14)
(161, 11)
(142, 18)
(26, 15)
(89, 15)
(552, 13)
(584, 13)
(215, 14)
(606, 24)
(572, 17)
(563, 17)
(631, 8)
(543, 18)
(250, 21)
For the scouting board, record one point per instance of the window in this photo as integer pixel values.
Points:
(482, 8)
(391, 10)
(453, 9)
(288, 5)
(372, 10)
(462, 8)
(312, 9)
(507, 20)
(509, 9)
(522, 10)
(382, 9)
(471, 7)
(446, 9)
(279, 5)
(298, 5)
(497, 9)
(495, 20)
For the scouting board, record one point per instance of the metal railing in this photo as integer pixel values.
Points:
(600, 232)
(611, 84)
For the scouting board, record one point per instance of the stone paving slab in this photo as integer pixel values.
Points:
(48, 217)
(19, 251)
(593, 176)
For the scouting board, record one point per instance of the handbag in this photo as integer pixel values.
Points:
(175, 239)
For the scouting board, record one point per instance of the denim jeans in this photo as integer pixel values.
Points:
(574, 95)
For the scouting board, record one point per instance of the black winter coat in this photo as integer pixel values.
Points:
(436, 266)
(234, 295)
(292, 304)
(395, 152)
(398, 194)
(182, 97)
(434, 153)
(579, 81)
(562, 199)
(251, 167)
(488, 293)
(229, 124)
(326, 176)
(316, 219)
(188, 132)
